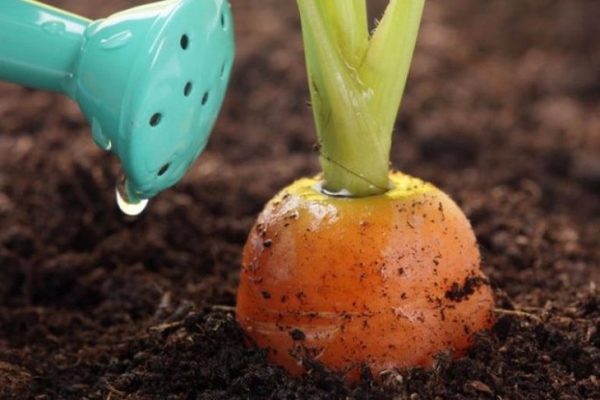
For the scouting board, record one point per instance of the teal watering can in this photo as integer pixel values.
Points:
(150, 80)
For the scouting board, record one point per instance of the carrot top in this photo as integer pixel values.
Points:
(356, 82)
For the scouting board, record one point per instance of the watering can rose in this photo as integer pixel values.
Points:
(151, 79)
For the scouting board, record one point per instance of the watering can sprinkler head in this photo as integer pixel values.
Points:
(151, 80)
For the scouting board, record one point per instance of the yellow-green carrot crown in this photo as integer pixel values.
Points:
(356, 84)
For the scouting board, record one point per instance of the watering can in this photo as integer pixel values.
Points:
(150, 80)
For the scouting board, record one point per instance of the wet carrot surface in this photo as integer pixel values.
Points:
(384, 281)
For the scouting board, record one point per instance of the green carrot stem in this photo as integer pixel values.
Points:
(356, 85)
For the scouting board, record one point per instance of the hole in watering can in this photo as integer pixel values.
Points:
(184, 42)
(155, 119)
(223, 20)
(187, 89)
(205, 98)
(164, 169)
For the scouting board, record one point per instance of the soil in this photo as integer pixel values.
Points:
(502, 111)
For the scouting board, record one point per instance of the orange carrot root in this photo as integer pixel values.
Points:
(386, 281)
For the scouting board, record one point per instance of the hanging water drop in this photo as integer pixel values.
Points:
(127, 206)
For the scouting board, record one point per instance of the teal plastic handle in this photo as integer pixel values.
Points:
(151, 79)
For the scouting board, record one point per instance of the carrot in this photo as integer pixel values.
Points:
(360, 266)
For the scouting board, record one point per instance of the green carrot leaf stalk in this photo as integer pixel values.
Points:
(356, 84)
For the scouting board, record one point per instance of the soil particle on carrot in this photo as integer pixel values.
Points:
(297, 335)
(458, 292)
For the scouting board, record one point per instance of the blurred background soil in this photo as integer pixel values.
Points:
(502, 111)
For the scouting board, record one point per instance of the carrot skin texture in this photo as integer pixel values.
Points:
(386, 281)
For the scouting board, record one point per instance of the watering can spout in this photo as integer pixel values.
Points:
(40, 44)
(150, 80)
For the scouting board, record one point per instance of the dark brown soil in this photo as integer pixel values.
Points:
(502, 111)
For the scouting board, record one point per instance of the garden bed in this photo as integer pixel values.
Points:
(502, 111)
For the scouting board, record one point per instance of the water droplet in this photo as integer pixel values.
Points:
(54, 27)
(116, 41)
(99, 137)
(343, 193)
(128, 207)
